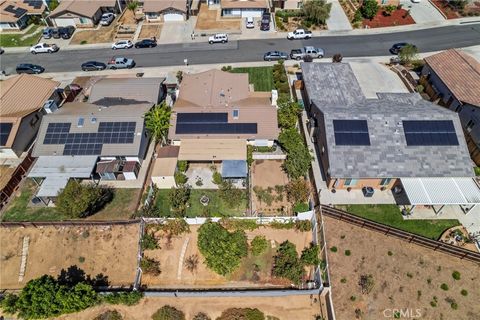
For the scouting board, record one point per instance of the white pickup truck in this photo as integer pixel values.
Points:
(299, 54)
(120, 63)
(299, 34)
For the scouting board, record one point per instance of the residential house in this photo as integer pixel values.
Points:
(164, 167)
(166, 11)
(14, 14)
(216, 115)
(453, 77)
(241, 8)
(22, 100)
(82, 13)
(396, 139)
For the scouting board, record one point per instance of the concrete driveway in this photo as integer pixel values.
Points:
(176, 32)
(338, 20)
(423, 12)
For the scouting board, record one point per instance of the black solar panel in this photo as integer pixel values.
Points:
(5, 129)
(351, 132)
(36, 4)
(430, 133)
(215, 128)
(17, 12)
(202, 118)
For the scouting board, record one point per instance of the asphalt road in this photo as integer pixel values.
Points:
(426, 40)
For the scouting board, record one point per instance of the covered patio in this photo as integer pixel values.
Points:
(440, 192)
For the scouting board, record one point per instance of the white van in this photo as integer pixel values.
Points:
(249, 23)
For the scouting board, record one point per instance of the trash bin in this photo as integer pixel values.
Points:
(367, 192)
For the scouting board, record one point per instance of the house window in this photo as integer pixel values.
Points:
(236, 113)
(34, 121)
(470, 125)
(84, 20)
(12, 25)
(350, 182)
(385, 181)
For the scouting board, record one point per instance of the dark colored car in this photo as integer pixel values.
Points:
(1, 51)
(66, 32)
(265, 23)
(275, 55)
(146, 43)
(55, 33)
(93, 66)
(395, 49)
(29, 68)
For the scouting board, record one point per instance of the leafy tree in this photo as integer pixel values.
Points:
(288, 112)
(127, 298)
(182, 165)
(150, 266)
(201, 316)
(132, 5)
(9, 303)
(369, 9)
(81, 200)
(175, 227)
(217, 178)
(109, 315)
(178, 199)
(287, 264)
(298, 157)
(242, 314)
(157, 120)
(259, 245)
(180, 178)
(52, 5)
(298, 191)
(316, 11)
(149, 242)
(222, 249)
(231, 195)
(407, 54)
(310, 255)
(168, 313)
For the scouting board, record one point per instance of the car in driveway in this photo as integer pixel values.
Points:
(265, 22)
(146, 43)
(66, 32)
(107, 19)
(397, 47)
(122, 44)
(218, 38)
(44, 48)
(93, 66)
(29, 68)
(275, 55)
(47, 33)
(120, 63)
(249, 23)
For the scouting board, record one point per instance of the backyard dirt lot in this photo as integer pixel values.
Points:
(285, 308)
(107, 250)
(405, 276)
(100, 35)
(179, 277)
(150, 30)
(209, 20)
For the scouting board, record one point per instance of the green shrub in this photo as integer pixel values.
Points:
(217, 178)
(464, 292)
(168, 313)
(357, 17)
(149, 242)
(182, 165)
(258, 245)
(127, 298)
(343, 280)
(301, 207)
(83, 42)
(444, 286)
(456, 275)
(454, 305)
(310, 255)
(287, 264)
(390, 253)
(333, 249)
(348, 252)
(201, 316)
(109, 315)
(242, 314)
(150, 266)
(369, 9)
(239, 224)
(81, 259)
(353, 298)
(180, 178)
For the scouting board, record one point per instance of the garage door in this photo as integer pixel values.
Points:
(172, 17)
(246, 13)
(64, 22)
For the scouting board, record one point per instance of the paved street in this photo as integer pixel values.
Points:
(252, 50)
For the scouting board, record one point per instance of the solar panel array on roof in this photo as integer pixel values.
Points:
(17, 12)
(5, 129)
(211, 123)
(89, 143)
(351, 132)
(430, 133)
(36, 4)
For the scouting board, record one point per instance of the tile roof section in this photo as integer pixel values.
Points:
(86, 8)
(460, 72)
(161, 5)
(244, 4)
(13, 10)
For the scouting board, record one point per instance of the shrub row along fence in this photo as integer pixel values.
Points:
(403, 235)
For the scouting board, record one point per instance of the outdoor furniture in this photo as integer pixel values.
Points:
(368, 192)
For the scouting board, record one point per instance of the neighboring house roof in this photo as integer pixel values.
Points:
(212, 149)
(86, 8)
(13, 10)
(460, 72)
(387, 154)
(160, 6)
(216, 104)
(20, 96)
(126, 91)
(84, 129)
(244, 4)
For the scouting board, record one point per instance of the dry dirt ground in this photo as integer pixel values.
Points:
(150, 30)
(285, 308)
(101, 35)
(169, 257)
(269, 173)
(107, 250)
(208, 20)
(406, 276)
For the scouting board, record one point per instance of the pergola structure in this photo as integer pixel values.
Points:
(440, 192)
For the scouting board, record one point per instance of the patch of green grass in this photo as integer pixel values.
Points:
(389, 214)
(477, 171)
(122, 206)
(215, 208)
(260, 77)
(21, 40)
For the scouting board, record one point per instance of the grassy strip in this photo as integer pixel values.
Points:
(260, 77)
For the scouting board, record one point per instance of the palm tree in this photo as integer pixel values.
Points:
(157, 122)
(191, 263)
(132, 5)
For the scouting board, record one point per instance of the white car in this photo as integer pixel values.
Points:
(415, 1)
(249, 23)
(107, 18)
(122, 44)
(218, 38)
(44, 48)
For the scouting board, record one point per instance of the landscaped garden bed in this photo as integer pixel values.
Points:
(368, 14)
(458, 9)
(399, 17)
(27, 39)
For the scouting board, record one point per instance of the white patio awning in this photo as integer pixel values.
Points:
(50, 187)
(441, 191)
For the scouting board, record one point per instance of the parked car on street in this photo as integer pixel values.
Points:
(299, 54)
(2, 51)
(47, 33)
(66, 32)
(29, 68)
(122, 44)
(93, 66)
(299, 34)
(120, 63)
(275, 55)
(107, 18)
(146, 43)
(218, 38)
(397, 47)
(249, 23)
(44, 48)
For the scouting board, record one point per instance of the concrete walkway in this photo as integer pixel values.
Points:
(338, 20)
(423, 12)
